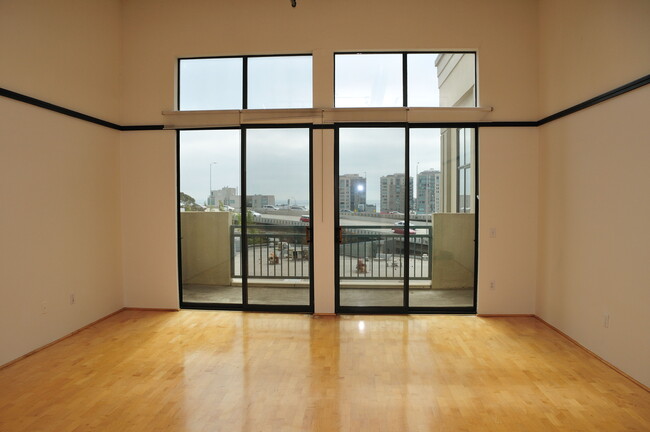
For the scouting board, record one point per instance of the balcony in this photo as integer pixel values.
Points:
(372, 261)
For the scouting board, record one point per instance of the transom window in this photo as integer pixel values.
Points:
(375, 80)
(246, 82)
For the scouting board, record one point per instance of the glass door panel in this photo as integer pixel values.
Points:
(278, 216)
(442, 250)
(373, 195)
(210, 211)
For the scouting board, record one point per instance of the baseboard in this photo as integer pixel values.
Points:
(323, 315)
(60, 339)
(591, 353)
(150, 309)
(505, 315)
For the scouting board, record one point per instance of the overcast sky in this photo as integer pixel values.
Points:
(277, 161)
(376, 152)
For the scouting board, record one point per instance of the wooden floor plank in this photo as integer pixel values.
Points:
(233, 371)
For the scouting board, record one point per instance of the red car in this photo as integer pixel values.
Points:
(304, 218)
(399, 228)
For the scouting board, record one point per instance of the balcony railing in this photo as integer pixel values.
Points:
(369, 252)
(379, 252)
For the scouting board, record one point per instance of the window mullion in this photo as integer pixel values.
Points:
(245, 82)
(405, 102)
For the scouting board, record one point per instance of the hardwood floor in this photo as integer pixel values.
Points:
(233, 371)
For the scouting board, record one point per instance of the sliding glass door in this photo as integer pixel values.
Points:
(278, 232)
(406, 219)
(245, 219)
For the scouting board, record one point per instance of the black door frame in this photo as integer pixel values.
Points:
(245, 306)
(405, 308)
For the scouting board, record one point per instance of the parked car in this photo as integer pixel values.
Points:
(269, 207)
(254, 213)
(304, 218)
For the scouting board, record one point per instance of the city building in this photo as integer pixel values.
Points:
(393, 193)
(226, 196)
(258, 201)
(352, 192)
(428, 191)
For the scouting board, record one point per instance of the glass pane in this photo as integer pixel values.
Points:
(373, 196)
(210, 84)
(278, 202)
(368, 80)
(468, 191)
(461, 147)
(280, 82)
(210, 216)
(422, 80)
(456, 76)
(461, 191)
(441, 264)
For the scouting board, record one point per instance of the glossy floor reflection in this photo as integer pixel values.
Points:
(233, 371)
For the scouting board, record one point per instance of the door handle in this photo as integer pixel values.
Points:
(340, 235)
(307, 235)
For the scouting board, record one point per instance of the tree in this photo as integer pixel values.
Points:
(189, 203)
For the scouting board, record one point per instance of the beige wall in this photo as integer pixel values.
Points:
(588, 47)
(157, 32)
(149, 205)
(594, 236)
(508, 191)
(65, 52)
(206, 246)
(60, 195)
(452, 255)
(59, 225)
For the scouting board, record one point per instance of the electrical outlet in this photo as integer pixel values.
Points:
(606, 320)
(73, 299)
(493, 285)
(43, 308)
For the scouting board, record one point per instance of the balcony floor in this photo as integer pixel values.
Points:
(299, 295)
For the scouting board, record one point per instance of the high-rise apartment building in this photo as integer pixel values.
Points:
(428, 192)
(352, 192)
(393, 193)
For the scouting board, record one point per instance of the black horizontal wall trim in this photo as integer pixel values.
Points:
(508, 124)
(142, 128)
(579, 107)
(65, 111)
(48, 106)
(598, 99)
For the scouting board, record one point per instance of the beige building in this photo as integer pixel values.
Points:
(457, 89)
(226, 196)
(393, 193)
